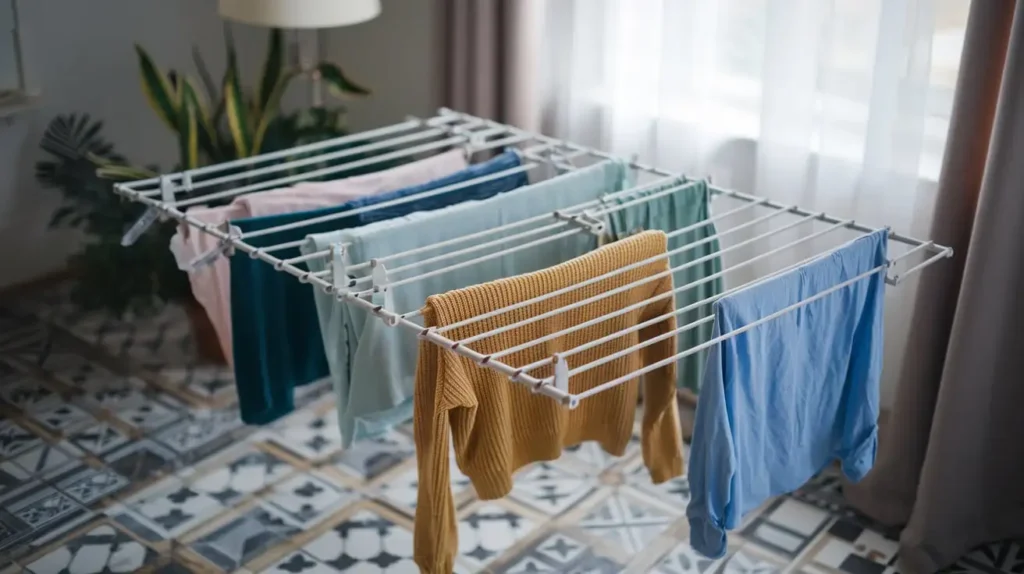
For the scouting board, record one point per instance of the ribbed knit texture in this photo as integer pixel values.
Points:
(499, 426)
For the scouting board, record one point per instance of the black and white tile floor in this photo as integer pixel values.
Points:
(118, 453)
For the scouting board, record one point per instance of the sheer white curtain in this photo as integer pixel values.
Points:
(835, 105)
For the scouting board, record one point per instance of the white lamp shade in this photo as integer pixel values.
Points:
(299, 13)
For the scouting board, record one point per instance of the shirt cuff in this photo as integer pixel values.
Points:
(860, 460)
(707, 538)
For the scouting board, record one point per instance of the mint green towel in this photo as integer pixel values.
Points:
(669, 212)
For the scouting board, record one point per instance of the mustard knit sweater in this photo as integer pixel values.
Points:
(499, 426)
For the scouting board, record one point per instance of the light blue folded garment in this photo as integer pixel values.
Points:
(373, 366)
(781, 401)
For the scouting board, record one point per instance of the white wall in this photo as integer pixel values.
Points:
(79, 56)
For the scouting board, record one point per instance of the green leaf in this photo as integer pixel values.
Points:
(273, 69)
(207, 135)
(204, 75)
(124, 172)
(338, 83)
(235, 108)
(157, 89)
(271, 110)
(188, 129)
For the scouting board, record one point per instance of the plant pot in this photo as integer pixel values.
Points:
(203, 333)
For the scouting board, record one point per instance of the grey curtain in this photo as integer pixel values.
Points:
(950, 465)
(488, 57)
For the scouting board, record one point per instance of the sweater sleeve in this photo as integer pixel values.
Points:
(661, 436)
(435, 530)
(443, 390)
(712, 460)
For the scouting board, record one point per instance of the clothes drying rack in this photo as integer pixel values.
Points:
(168, 196)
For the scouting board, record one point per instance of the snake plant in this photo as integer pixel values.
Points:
(228, 123)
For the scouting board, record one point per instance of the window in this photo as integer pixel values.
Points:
(865, 81)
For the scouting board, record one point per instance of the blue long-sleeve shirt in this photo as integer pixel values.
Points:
(781, 401)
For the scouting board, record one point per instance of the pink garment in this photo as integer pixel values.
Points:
(317, 194)
(211, 285)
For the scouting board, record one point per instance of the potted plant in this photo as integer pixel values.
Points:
(223, 122)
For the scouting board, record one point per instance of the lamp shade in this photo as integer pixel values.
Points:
(299, 13)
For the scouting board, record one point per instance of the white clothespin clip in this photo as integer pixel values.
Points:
(583, 220)
(474, 143)
(151, 215)
(382, 296)
(339, 266)
(561, 380)
(225, 247)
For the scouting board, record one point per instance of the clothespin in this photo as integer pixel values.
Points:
(152, 213)
(583, 220)
(382, 296)
(224, 247)
(561, 380)
(473, 143)
(339, 264)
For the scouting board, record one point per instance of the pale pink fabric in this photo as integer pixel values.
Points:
(314, 195)
(211, 285)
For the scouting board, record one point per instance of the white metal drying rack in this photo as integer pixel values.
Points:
(166, 196)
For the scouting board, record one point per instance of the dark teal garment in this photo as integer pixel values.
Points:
(669, 212)
(275, 327)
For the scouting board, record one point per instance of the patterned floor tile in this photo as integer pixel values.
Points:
(202, 434)
(149, 414)
(675, 491)
(244, 538)
(76, 371)
(560, 552)
(365, 542)
(63, 417)
(489, 529)
(47, 459)
(102, 550)
(171, 508)
(243, 473)
(400, 490)
(299, 563)
(683, 559)
(308, 436)
(207, 381)
(15, 439)
(628, 519)
(43, 507)
(786, 526)
(850, 547)
(140, 461)
(113, 398)
(748, 561)
(89, 484)
(99, 438)
(551, 487)
(1005, 556)
(591, 454)
(367, 459)
(825, 491)
(307, 500)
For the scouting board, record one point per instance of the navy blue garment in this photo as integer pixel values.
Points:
(780, 401)
(276, 331)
